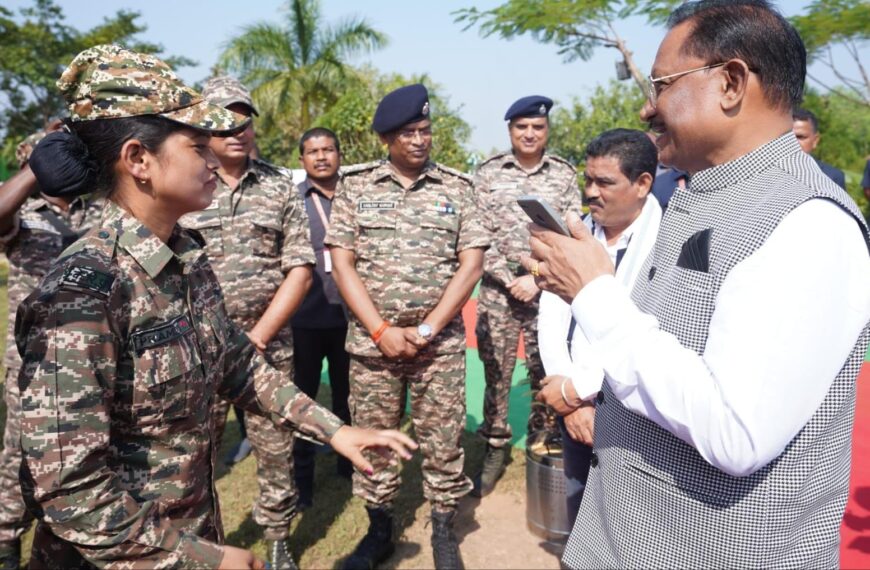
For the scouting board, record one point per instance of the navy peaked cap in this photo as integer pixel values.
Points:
(407, 104)
(531, 106)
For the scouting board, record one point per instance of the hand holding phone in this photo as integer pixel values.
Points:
(540, 212)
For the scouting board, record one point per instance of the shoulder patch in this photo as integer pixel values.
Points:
(555, 158)
(454, 172)
(270, 168)
(87, 278)
(492, 158)
(359, 168)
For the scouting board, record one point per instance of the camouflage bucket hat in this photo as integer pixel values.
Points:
(110, 82)
(225, 91)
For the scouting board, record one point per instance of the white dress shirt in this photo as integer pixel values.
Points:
(554, 314)
(786, 319)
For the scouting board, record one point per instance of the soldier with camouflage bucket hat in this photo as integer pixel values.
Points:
(257, 240)
(126, 342)
(407, 244)
(34, 230)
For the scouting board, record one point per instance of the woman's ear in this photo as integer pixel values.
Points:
(136, 161)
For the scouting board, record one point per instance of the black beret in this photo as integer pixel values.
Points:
(407, 104)
(531, 106)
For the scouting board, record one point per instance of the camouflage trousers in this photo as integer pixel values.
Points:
(436, 386)
(275, 505)
(14, 517)
(500, 318)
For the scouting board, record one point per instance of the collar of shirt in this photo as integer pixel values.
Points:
(253, 171)
(386, 171)
(511, 160)
(621, 243)
(147, 249)
(306, 188)
(746, 166)
(77, 204)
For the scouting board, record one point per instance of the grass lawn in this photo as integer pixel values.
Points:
(329, 531)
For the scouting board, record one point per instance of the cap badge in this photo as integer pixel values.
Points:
(425, 110)
(543, 109)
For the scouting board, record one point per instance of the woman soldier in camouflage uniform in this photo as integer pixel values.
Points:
(126, 342)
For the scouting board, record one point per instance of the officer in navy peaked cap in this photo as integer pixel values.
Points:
(405, 105)
(406, 241)
(508, 299)
(531, 106)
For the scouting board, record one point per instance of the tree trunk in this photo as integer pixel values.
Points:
(638, 77)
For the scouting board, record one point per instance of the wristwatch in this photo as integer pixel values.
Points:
(424, 330)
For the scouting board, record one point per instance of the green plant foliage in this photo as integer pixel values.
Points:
(608, 107)
(296, 69)
(34, 50)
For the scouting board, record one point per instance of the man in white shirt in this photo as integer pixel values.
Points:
(724, 436)
(624, 217)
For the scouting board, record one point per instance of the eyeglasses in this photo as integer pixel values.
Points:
(410, 135)
(652, 90)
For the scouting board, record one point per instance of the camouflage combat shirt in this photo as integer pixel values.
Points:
(500, 181)
(40, 232)
(254, 235)
(124, 345)
(406, 243)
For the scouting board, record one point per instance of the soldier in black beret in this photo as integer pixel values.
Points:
(407, 242)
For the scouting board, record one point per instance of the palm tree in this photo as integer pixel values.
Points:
(297, 68)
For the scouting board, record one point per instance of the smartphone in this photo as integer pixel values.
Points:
(540, 212)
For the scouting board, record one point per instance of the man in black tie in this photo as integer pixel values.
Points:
(624, 217)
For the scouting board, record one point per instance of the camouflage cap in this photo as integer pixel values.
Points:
(225, 90)
(25, 147)
(108, 81)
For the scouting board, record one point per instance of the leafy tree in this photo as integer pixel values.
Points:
(610, 107)
(298, 68)
(830, 23)
(34, 50)
(350, 117)
(576, 27)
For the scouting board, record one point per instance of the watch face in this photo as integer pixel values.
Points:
(424, 330)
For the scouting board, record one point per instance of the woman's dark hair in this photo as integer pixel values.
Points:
(82, 161)
(751, 30)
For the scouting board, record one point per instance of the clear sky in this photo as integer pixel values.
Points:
(482, 77)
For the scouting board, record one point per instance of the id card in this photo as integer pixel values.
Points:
(327, 261)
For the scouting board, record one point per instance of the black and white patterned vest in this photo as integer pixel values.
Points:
(651, 500)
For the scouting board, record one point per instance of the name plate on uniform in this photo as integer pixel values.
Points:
(368, 205)
(161, 334)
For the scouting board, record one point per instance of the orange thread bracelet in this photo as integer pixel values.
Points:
(376, 336)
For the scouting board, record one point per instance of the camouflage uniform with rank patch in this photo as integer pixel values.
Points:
(406, 244)
(500, 317)
(40, 231)
(128, 340)
(254, 235)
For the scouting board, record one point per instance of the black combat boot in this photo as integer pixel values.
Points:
(279, 555)
(445, 549)
(377, 545)
(10, 555)
(494, 463)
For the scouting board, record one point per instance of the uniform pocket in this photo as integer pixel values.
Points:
(207, 223)
(438, 236)
(165, 370)
(376, 235)
(267, 237)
